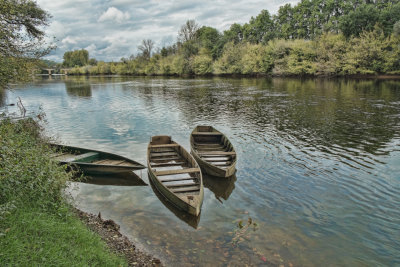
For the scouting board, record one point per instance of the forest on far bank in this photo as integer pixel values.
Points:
(314, 37)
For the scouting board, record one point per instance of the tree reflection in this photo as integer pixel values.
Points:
(79, 87)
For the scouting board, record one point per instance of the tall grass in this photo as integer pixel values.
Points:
(37, 226)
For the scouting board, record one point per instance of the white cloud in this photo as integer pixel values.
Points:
(69, 40)
(114, 14)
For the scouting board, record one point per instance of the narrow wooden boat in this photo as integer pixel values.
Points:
(190, 219)
(213, 151)
(175, 174)
(90, 161)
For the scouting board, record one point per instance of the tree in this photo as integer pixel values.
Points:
(76, 58)
(234, 34)
(146, 47)
(396, 29)
(188, 31)
(260, 29)
(210, 39)
(21, 38)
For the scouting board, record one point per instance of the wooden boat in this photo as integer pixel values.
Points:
(190, 219)
(175, 174)
(213, 151)
(90, 161)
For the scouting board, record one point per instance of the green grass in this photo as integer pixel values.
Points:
(37, 226)
(35, 237)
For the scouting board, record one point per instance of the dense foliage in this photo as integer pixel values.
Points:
(21, 38)
(36, 226)
(76, 58)
(314, 37)
(329, 54)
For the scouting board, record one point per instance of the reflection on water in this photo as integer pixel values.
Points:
(191, 220)
(2, 98)
(121, 179)
(79, 88)
(318, 169)
(221, 187)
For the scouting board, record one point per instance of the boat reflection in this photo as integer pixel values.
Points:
(191, 220)
(221, 187)
(121, 179)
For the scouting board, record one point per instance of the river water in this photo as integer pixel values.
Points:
(318, 170)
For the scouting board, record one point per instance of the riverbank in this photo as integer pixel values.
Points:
(37, 226)
(109, 233)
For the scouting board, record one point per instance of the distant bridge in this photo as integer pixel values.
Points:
(51, 71)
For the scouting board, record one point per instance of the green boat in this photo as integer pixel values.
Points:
(89, 161)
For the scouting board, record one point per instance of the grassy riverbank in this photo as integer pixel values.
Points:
(37, 226)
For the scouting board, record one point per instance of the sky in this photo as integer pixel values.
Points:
(113, 29)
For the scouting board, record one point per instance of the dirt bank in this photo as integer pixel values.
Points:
(109, 232)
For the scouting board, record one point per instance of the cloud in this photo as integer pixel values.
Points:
(112, 29)
(114, 14)
(69, 40)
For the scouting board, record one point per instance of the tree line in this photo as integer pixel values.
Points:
(314, 37)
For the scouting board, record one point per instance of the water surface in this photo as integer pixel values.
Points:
(318, 165)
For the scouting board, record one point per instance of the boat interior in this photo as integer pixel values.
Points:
(177, 171)
(212, 147)
(88, 157)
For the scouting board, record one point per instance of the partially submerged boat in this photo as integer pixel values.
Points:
(213, 151)
(89, 161)
(175, 174)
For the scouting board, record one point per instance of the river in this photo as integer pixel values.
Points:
(318, 167)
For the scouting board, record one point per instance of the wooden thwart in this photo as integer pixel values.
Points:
(217, 153)
(159, 160)
(208, 144)
(184, 190)
(207, 133)
(180, 171)
(164, 145)
(178, 179)
(183, 185)
(167, 164)
(162, 154)
(224, 159)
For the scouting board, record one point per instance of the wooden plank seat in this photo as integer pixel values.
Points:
(177, 179)
(167, 164)
(179, 171)
(162, 154)
(216, 160)
(110, 162)
(207, 144)
(83, 157)
(207, 133)
(182, 185)
(217, 153)
(160, 160)
(205, 149)
(185, 189)
(164, 145)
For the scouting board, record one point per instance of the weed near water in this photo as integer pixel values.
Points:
(37, 226)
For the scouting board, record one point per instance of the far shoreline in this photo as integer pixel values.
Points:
(234, 75)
